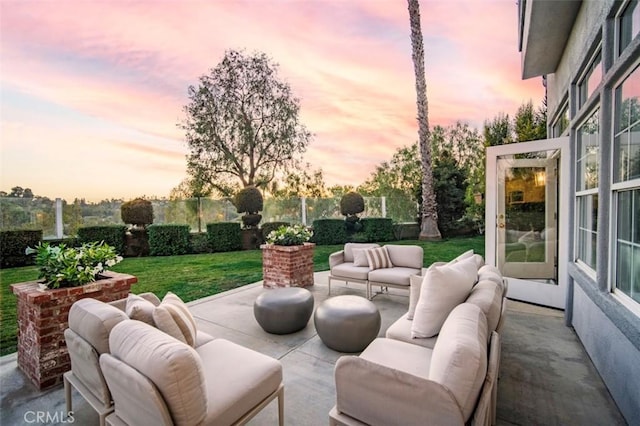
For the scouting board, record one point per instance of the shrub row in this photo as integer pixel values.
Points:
(336, 231)
(13, 245)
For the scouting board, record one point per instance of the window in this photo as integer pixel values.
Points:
(626, 186)
(587, 169)
(590, 80)
(562, 122)
(629, 25)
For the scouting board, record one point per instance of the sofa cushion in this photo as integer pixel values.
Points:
(237, 379)
(459, 359)
(464, 255)
(487, 295)
(379, 258)
(140, 309)
(401, 330)
(406, 256)
(93, 320)
(173, 367)
(348, 270)
(394, 276)
(412, 359)
(443, 288)
(173, 317)
(360, 257)
(348, 249)
(488, 272)
(414, 292)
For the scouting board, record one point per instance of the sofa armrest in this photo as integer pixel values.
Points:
(375, 394)
(336, 258)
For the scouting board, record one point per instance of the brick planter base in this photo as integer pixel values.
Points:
(287, 266)
(43, 315)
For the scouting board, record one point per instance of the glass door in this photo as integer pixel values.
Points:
(527, 220)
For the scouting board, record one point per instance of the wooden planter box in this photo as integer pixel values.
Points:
(287, 266)
(43, 315)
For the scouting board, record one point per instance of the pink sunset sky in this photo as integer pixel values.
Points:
(92, 91)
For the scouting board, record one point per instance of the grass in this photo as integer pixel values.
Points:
(195, 276)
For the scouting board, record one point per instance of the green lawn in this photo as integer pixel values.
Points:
(195, 276)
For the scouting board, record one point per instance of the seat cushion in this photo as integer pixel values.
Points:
(174, 368)
(401, 330)
(348, 270)
(237, 379)
(411, 359)
(459, 359)
(406, 256)
(93, 320)
(348, 249)
(443, 288)
(395, 275)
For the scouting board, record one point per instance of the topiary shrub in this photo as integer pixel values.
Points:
(113, 235)
(138, 212)
(249, 200)
(377, 229)
(168, 240)
(224, 236)
(13, 245)
(329, 231)
(351, 204)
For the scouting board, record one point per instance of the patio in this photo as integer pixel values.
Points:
(546, 376)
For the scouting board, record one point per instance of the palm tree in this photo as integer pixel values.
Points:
(429, 229)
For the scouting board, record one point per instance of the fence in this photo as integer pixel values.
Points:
(57, 218)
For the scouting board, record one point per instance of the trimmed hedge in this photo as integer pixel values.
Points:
(224, 236)
(13, 245)
(377, 229)
(267, 227)
(199, 243)
(168, 240)
(114, 235)
(329, 231)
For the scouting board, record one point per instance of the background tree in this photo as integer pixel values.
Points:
(429, 227)
(450, 180)
(242, 124)
(497, 131)
(530, 124)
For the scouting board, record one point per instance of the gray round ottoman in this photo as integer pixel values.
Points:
(283, 310)
(347, 323)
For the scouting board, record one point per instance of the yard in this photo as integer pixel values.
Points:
(196, 276)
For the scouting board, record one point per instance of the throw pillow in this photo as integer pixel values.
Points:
(360, 257)
(464, 255)
(379, 258)
(443, 288)
(414, 290)
(140, 309)
(173, 317)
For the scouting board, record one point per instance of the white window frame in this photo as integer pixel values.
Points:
(586, 74)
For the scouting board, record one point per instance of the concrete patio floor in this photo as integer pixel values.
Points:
(546, 377)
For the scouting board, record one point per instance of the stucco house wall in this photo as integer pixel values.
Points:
(608, 329)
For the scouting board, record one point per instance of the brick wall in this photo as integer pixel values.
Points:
(287, 266)
(43, 315)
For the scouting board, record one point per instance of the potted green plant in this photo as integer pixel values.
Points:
(295, 235)
(287, 258)
(63, 266)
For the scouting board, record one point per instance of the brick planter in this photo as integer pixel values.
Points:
(287, 266)
(43, 315)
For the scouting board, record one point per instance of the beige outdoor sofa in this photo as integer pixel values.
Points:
(443, 371)
(91, 324)
(353, 265)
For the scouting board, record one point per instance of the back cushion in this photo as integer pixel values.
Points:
(443, 288)
(139, 309)
(487, 295)
(348, 249)
(406, 256)
(93, 321)
(174, 368)
(459, 359)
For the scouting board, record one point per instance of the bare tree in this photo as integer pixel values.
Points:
(429, 228)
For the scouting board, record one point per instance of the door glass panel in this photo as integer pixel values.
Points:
(527, 191)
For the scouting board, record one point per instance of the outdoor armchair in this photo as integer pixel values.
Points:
(156, 379)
